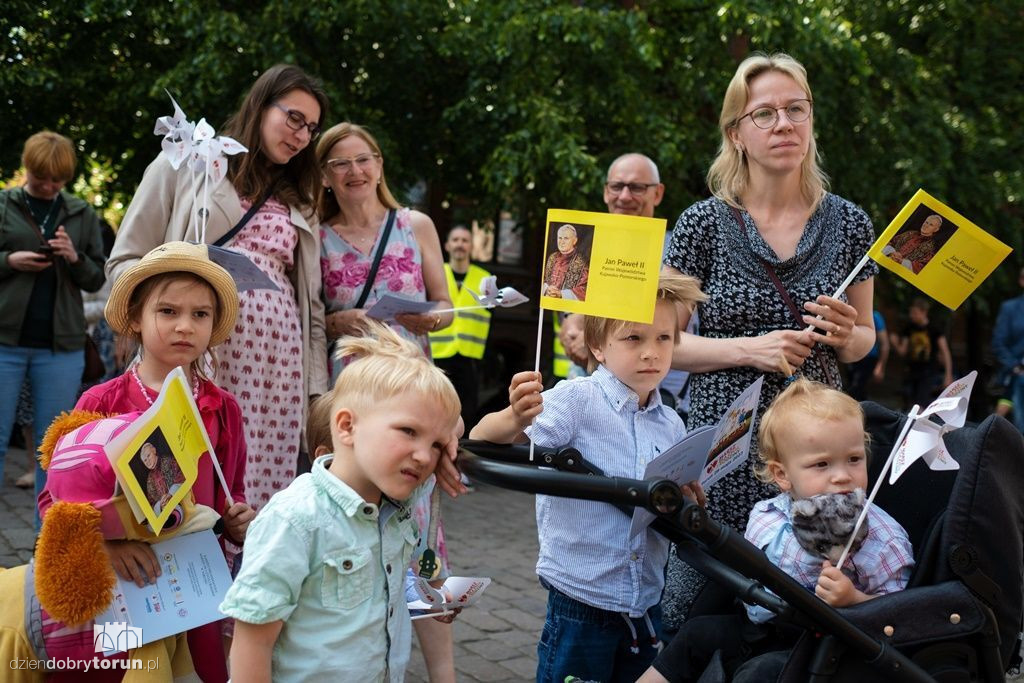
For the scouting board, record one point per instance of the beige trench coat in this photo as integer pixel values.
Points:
(159, 213)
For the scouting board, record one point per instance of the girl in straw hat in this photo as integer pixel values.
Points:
(178, 304)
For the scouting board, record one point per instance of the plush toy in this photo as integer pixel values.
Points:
(47, 607)
(822, 524)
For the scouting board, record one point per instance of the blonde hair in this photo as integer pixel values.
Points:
(385, 366)
(675, 288)
(326, 203)
(728, 176)
(318, 424)
(808, 399)
(49, 155)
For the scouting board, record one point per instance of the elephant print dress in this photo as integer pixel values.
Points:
(261, 362)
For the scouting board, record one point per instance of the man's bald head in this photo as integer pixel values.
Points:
(634, 171)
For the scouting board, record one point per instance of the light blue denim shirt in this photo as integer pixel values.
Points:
(585, 549)
(332, 566)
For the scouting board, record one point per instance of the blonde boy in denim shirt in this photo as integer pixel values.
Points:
(603, 586)
(320, 594)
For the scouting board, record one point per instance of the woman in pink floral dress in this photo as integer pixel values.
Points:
(354, 206)
(274, 359)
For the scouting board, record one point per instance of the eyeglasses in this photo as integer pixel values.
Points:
(296, 121)
(343, 165)
(797, 111)
(635, 189)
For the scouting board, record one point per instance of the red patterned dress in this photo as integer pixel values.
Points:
(261, 362)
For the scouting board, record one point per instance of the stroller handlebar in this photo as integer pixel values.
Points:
(679, 519)
(660, 496)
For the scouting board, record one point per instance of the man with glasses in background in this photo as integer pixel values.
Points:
(632, 187)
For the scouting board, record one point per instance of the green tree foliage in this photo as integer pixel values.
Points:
(522, 104)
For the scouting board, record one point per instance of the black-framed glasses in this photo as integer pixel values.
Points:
(297, 121)
(797, 111)
(635, 189)
(342, 165)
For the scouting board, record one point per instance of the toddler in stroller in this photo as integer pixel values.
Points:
(959, 617)
(812, 446)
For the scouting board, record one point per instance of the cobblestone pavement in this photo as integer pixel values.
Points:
(16, 535)
(491, 532)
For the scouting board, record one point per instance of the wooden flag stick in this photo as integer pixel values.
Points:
(911, 418)
(536, 358)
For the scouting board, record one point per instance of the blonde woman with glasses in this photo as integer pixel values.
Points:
(363, 223)
(770, 247)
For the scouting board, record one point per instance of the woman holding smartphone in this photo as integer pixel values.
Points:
(51, 249)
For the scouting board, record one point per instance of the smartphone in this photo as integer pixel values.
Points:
(46, 250)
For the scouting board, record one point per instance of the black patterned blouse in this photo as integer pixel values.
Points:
(708, 243)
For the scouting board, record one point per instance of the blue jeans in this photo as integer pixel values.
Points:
(1017, 396)
(54, 377)
(592, 644)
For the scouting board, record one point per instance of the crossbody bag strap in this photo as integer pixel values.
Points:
(226, 237)
(786, 298)
(32, 222)
(376, 259)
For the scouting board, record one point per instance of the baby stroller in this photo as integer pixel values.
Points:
(960, 616)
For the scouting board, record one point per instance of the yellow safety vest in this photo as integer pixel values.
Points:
(560, 366)
(467, 335)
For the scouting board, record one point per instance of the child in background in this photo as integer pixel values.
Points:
(320, 595)
(604, 587)
(811, 442)
(178, 304)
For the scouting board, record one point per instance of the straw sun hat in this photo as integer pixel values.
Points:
(169, 258)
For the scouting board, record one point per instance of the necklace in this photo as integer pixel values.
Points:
(145, 390)
(360, 234)
(32, 202)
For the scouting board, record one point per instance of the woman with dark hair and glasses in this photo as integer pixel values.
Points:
(276, 358)
(770, 248)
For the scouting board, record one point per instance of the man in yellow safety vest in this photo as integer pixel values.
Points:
(458, 347)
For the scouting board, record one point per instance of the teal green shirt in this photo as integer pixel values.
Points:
(332, 567)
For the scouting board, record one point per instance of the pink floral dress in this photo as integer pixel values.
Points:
(261, 362)
(345, 269)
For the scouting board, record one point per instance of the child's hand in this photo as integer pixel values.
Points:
(449, 617)
(133, 561)
(525, 398)
(835, 588)
(236, 521)
(694, 491)
(448, 476)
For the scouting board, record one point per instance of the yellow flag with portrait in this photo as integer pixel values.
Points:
(601, 264)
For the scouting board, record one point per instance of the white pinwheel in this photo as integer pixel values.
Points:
(177, 131)
(490, 296)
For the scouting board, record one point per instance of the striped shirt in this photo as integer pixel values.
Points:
(585, 549)
(881, 565)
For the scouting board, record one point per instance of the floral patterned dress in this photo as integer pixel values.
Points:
(708, 243)
(261, 362)
(345, 269)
